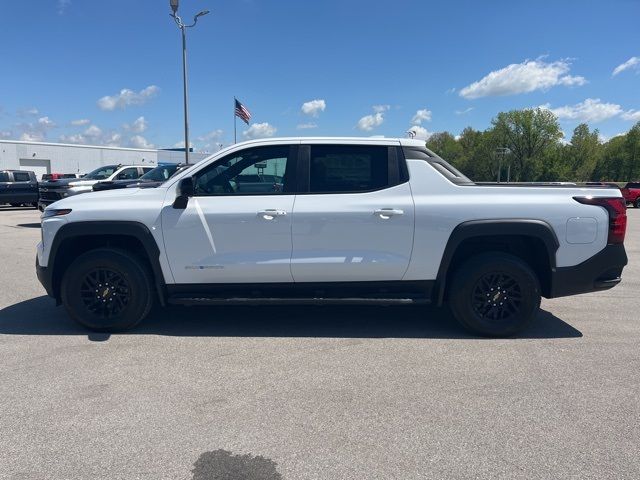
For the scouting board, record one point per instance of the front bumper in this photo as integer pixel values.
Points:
(601, 272)
(44, 277)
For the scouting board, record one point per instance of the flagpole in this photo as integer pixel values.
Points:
(234, 120)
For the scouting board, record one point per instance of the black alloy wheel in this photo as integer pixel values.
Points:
(108, 289)
(494, 294)
(497, 297)
(105, 292)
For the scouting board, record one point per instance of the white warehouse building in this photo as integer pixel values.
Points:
(44, 158)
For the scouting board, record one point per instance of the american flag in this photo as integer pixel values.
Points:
(242, 112)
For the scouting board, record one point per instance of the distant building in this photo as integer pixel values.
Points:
(63, 158)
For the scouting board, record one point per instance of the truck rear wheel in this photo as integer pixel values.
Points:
(107, 290)
(637, 203)
(495, 295)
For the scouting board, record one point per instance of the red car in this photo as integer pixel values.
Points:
(631, 193)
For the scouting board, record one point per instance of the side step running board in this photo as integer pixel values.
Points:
(203, 300)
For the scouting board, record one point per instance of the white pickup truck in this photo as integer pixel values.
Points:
(330, 220)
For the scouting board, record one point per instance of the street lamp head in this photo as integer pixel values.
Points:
(174, 5)
(202, 13)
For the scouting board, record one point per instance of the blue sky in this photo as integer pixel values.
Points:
(361, 67)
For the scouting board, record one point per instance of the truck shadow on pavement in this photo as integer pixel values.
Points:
(39, 316)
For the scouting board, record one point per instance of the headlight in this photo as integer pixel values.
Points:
(55, 212)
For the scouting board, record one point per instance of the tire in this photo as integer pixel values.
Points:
(478, 278)
(123, 288)
(35, 205)
(15, 205)
(637, 203)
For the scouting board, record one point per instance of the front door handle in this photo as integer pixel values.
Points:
(386, 213)
(271, 213)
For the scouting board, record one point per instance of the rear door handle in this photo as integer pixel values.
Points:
(386, 213)
(271, 213)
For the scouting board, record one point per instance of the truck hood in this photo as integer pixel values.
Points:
(65, 182)
(104, 200)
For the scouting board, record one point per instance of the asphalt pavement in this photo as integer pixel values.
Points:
(315, 392)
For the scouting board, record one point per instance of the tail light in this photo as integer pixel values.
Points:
(617, 208)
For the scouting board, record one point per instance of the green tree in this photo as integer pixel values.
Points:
(445, 145)
(527, 133)
(632, 153)
(584, 153)
(611, 163)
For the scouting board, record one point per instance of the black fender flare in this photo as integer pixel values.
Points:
(494, 228)
(133, 229)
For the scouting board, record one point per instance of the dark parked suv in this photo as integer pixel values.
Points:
(18, 187)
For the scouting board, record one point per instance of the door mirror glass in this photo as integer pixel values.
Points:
(185, 187)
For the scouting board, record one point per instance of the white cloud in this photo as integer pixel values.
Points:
(5, 134)
(94, 135)
(81, 122)
(306, 126)
(211, 140)
(591, 110)
(93, 132)
(46, 123)
(208, 137)
(313, 107)
(524, 77)
(112, 140)
(181, 144)
(419, 132)
(421, 115)
(369, 122)
(463, 112)
(62, 6)
(259, 130)
(138, 126)
(34, 131)
(32, 137)
(632, 63)
(138, 141)
(128, 97)
(28, 112)
(633, 115)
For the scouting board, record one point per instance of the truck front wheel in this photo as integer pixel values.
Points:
(107, 290)
(494, 294)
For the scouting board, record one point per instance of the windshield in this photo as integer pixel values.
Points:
(160, 173)
(101, 173)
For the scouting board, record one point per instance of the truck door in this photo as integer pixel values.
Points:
(356, 221)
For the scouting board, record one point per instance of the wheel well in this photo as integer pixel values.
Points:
(73, 247)
(531, 250)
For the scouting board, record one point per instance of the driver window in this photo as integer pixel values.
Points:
(128, 174)
(256, 171)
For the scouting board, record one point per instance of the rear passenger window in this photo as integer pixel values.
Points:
(21, 177)
(4, 177)
(348, 168)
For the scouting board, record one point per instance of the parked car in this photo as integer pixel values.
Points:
(152, 178)
(55, 190)
(59, 176)
(18, 187)
(631, 193)
(354, 221)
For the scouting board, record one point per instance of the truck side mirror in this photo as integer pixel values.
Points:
(186, 188)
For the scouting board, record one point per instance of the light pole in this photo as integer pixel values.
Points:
(174, 7)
